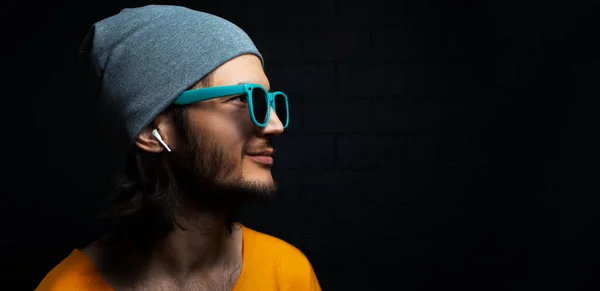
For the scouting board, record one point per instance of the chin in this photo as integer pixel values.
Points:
(259, 185)
(262, 176)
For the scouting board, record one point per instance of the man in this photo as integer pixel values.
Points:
(189, 101)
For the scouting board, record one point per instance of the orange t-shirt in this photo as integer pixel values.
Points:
(268, 263)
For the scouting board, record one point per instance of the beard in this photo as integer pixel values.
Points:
(211, 179)
(197, 176)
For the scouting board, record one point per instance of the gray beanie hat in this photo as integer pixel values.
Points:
(146, 57)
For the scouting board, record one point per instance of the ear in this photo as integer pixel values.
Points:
(148, 142)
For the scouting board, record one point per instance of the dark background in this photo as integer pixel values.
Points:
(433, 144)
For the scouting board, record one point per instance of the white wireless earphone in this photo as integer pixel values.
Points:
(159, 138)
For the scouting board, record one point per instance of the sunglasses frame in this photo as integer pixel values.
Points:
(203, 94)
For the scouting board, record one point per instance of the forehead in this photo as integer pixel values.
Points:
(242, 69)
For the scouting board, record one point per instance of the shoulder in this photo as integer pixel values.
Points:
(282, 258)
(272, 247)
(75, 272)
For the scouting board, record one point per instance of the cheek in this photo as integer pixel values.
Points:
(229, 130)
(242, 122)
(231, 135)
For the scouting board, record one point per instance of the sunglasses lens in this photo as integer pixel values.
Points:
(259, 104)
(281, 108)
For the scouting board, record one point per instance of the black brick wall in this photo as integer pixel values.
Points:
(431, 144)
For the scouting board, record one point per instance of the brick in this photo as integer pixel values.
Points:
(434, 79)
(299, 81)
(587, 74)
(336, 44)
(348, 197)
(346, 193)
(278, 46)
(370, 13)
(318, 44)
(304, 152)
(394, 115)
(370, 80)
(295, 205)
(452, 47)
(306, 187)
(347, 187)
(300, 202)
(392, 44)
(288, 15)
(459, 78)
(460, 159)
(580, 155)
(295, 124)
(410, 43)
(220, 8)
(402, 185)
(297, 115)
(334, 116)
(462, 150)
(290, 185)
(420, 79)
(386, 182)
(583, 115)
(289, 193)
(461, 118)
(383, 152)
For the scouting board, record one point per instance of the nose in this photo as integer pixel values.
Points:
(274, 127)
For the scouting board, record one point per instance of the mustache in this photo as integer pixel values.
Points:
(264, 146)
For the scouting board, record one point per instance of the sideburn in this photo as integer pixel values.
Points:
(155, 190)
(198, 165)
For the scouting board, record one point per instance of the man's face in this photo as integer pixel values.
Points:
(227, 147)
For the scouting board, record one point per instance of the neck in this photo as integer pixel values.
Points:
(201, 242)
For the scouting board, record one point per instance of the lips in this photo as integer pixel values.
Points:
(268, 152)
(263, 157)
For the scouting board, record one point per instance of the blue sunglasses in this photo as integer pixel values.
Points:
(258, 99)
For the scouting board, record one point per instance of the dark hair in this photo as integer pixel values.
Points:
(147, 194)
(142, 204)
